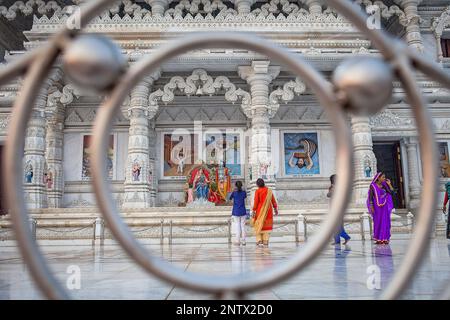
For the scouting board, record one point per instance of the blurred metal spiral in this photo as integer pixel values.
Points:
(333, 97)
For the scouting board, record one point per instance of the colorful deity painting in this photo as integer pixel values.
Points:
(301, 154)
(180, 154)
(223, 149)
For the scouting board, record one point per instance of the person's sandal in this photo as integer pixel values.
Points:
(266, 243)
(259, 243)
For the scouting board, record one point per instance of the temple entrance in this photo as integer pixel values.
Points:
(2, 193)
(389, 160)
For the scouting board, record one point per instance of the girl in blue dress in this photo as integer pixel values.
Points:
(239, 214)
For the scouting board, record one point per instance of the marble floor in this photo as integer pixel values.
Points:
(340, 272)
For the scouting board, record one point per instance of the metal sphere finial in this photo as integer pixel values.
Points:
(364, 84)
(93, 62)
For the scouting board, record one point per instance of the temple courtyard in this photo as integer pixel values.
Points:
(340, 272)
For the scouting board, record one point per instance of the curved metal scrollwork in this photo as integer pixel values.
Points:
(335, 97)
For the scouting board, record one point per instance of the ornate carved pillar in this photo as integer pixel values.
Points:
(315, 6)
(54, 180)
(243, 7)
(138, 167)
(365, 160)
(438, 26)
(413, 35)
(152, 180)
(34, 150)
(159, 6)
(259, 75)
(413, 172)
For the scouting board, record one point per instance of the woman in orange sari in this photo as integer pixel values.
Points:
(263, 214)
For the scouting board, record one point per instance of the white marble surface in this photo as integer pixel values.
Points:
(339, 273)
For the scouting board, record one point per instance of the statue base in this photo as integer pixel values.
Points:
(200, 203)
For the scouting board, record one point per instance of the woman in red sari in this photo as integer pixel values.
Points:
(263, 214)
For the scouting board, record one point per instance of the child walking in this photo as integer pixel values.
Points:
(341, 233)
(239, 214)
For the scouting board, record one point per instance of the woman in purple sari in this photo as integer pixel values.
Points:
(380, 205)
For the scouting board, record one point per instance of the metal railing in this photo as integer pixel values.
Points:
(99, 229)
(335, 97)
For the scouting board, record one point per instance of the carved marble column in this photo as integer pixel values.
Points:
(315, 6)
(413, 172)
(259, 75)
(34, 149)
(54, 179)
(413, 35)
(152, 180)
(159, 6)
(55, 114)
(138, 168)
(243, 7)
(365, 160)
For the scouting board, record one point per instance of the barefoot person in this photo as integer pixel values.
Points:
(380, 205)
(262, 213)
(341, 233)
(239, 213)
(444, 207)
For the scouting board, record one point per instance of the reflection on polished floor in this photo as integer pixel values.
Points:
(341, 272)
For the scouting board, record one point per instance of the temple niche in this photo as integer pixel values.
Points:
(204, 120)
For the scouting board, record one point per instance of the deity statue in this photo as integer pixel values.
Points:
(367, 168)
(49, 180)
(201, 185)
(216, 150)
(190, 193)
(263, 168)
(136, 171)
(29, 173)
(223, 180)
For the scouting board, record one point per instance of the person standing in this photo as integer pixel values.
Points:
(262, 213)
(239, 213)
(341, 233)
(444, 207)
(380, 205)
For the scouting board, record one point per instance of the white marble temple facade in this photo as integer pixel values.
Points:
(239, 90)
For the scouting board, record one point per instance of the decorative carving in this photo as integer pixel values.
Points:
(440, 23)
(386, 11)
(285, 94)
(188, 14)
(171, 200)
(79, 202)
(389, 119)
(4, 121)
(27, 8)
(199, 83)
(74, 117)
(65, 97)
(189, 9)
